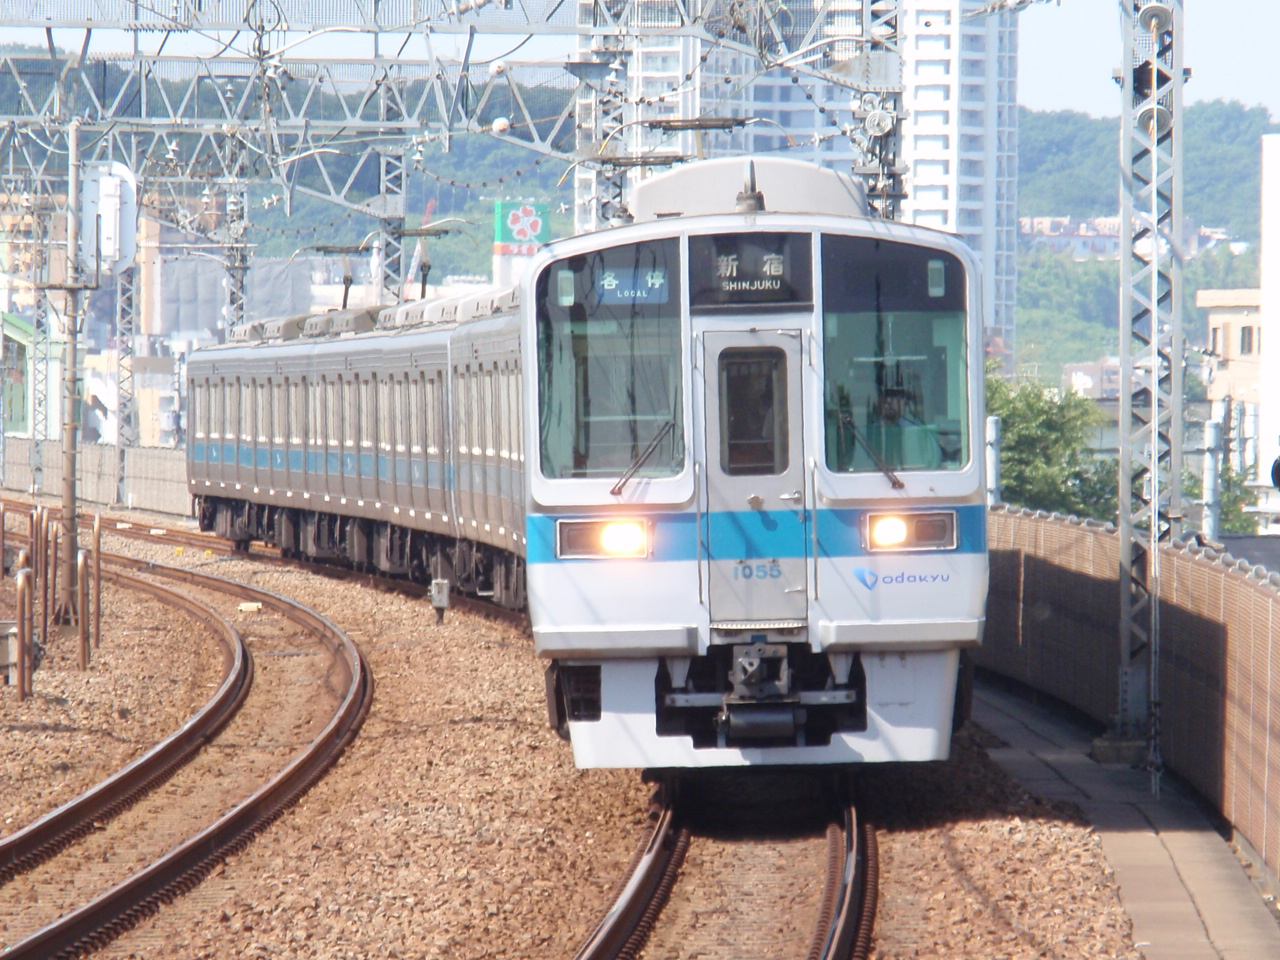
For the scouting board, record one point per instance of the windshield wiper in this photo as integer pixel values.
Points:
(641, 460)
(848, 421)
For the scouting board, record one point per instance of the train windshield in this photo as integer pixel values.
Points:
(609, 373)
(896, 381)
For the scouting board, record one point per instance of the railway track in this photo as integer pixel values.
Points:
(652, 895)
(90, 870)
(842, 906)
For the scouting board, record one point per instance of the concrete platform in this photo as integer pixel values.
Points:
(1186, 891)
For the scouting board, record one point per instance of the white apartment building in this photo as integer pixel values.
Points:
(959, 138)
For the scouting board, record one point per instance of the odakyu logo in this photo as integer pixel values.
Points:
(870, 579)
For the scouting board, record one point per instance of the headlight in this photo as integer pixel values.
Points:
(911, 531)
(584, 539)
(888, 532)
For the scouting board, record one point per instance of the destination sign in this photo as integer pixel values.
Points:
(625, 285)
(750, 269)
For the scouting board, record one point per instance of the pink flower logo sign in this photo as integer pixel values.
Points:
(519, 228)
(525, 223)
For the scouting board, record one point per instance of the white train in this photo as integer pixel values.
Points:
(728, 455)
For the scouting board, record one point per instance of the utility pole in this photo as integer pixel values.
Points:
(67, 609)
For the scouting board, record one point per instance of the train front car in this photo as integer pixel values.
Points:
(756, 504)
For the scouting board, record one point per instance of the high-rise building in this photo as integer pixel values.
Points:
(959, 139)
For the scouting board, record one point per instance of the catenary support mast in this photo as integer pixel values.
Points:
(1151, 348)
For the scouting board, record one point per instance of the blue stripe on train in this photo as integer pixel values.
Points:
(757, 535)
(389, 469)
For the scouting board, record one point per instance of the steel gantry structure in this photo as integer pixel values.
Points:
(202, 128)
(190, 125)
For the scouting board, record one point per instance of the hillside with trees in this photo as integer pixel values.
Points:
(1069, 165)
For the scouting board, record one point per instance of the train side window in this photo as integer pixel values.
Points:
(264, 412)
(350, 413)
(315, 401)
(218, 416)
(201, 418)
(385, 386)
(518, 406)
(460, 389)
(296, 411)
(419, 414)
(247, 413)
(429, 400)
(488, 424)
(332, 410)
(231, 424)
(753, 411)
(392, 410)
(475, 425)
(511, 411)
(369, 412)
(278, 409)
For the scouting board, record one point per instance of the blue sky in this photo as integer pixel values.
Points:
(1067, 52)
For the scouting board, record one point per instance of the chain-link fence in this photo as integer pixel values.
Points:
(1053, 623)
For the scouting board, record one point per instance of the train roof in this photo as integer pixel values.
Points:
(747, 185)
(464, 308)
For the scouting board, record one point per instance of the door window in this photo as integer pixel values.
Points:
(753, 412)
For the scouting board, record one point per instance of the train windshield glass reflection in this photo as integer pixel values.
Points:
(609, 354)
(896, 382)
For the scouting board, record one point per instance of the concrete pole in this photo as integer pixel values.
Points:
(994, 440)
(67, 612)
(1212, 478)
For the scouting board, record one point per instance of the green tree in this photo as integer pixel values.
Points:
(1222, 166)
(1066, 311)
(1067, 164)
(1045, 462)
(1235, 496)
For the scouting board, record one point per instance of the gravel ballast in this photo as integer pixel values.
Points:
(456, 826)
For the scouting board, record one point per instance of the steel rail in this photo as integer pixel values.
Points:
(106, 917)
(645, 890)
(856, 893)
(37, 842)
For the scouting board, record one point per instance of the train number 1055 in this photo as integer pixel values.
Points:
(757, 571)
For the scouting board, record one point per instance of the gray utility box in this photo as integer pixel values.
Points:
(9, 650)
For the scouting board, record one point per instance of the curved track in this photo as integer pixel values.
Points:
(21, 851)
(845, 913)
(109, 914)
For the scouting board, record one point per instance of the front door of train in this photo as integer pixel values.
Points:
(756, 528)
